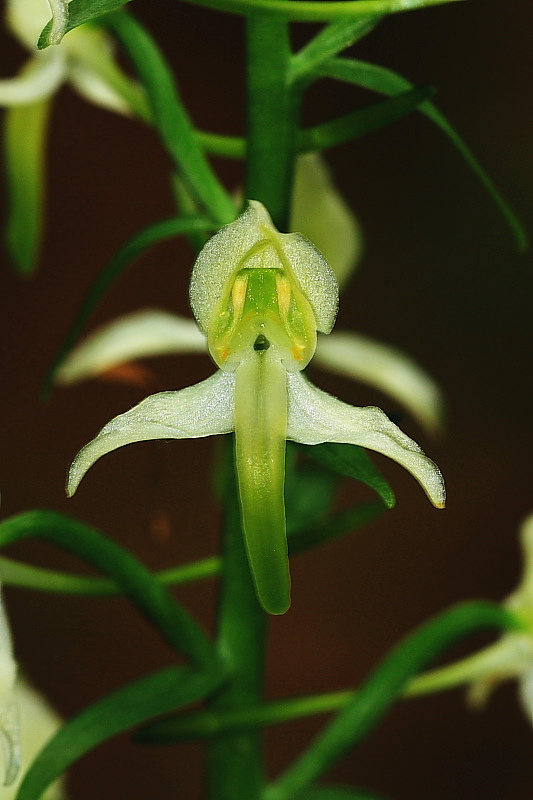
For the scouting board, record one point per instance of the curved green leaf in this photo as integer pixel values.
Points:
(15, 573)
(339, 524)
(170, 117)
(317, 10)
(338, 793)
(383, 688)
(79, 12)
(353, 462)
(130, 250)
(365, 120)
(135, 581)
(328, 42)
(385, 81)
(24, 144)
(155, 694)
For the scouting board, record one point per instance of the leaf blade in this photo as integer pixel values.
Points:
(170, 117)
(137, 583)
(384, 687)
(385, 81)
(353, 462)
(363, 121)
(150, 696)
(80, 12)
(131, 250)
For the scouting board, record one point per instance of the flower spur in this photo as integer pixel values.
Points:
(260, 297)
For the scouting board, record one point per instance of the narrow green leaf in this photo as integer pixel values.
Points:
(155, 694)
(15, 573)
(24, 145)
(219, 145)
(339, 524)
(365, 120)
(385, 81)
(338, 793)
(192, 726)
(126, 255)
(354, 462)
(79, 12)
(310, 491)
(383, 688)
(170, 117)
(332, 39)
(317, 10)
(136, 582)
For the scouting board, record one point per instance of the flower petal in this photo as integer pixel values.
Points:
(525, 691)
(320, 213)
(315, 417)
(38, 723)
(26, 19)
(9, 723)
(386, 368)
(253, 241)
(96, 75)
(510, 657)
(39, 78)
(133, 336)
(204, 409)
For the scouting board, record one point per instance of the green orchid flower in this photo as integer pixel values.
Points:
(320, 213)
(260, 297)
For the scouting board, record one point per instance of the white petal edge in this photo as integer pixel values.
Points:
(315, 417)
(138, 335)
(205, 409)
(94, 89)
(26, 19)
(39, 78)
(9, 722)
(38, 723)
(388, 369)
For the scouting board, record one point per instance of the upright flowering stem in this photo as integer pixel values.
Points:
(235, 759)
(272, 117)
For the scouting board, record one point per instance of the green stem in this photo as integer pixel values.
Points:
(235, 759)
(272, 117)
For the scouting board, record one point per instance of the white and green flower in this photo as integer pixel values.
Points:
(260, 297)
(84, 59)
(510, 658)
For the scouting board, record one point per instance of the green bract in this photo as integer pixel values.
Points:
(260, 296)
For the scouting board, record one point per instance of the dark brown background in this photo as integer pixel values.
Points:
(440, 278)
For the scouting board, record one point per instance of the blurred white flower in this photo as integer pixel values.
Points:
(9, 720)
(38, 723)
(84, 58)
(512, 656)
